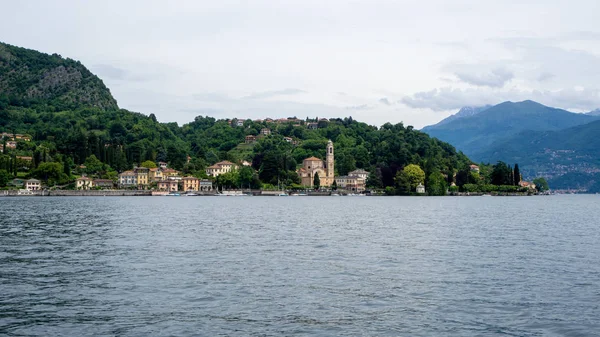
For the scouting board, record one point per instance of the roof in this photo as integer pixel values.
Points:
(215, 166)
(312, 159)
(359, 171)
(155, 169)
(189, 178)
(126, 173)
(225, 162)
(32, 180)
(83, 178)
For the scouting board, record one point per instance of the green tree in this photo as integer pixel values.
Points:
(541, 184)
(148, 164)
(317, 181)
(4, 178)
(334, 186)
(50, 172)
(436, 184)
(415, 175)
(402, 181)
(93, 165)
(517, 175)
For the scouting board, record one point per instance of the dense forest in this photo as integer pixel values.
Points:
(77, 128)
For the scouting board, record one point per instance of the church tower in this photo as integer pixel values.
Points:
(330, 163)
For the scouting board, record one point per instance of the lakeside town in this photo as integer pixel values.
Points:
(316, 176)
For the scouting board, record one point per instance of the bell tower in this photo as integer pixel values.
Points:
(330, 162)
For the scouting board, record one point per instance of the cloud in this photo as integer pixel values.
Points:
(495, 78)
(275, 93)
(385, 101)
(359, 107)
(545, 76)
(108, 71)
(443, 99)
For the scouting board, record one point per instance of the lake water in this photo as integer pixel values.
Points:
(302, 266)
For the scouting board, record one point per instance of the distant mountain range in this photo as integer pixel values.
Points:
(594, 113)
(544, 141)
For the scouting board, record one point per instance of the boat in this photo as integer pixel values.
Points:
(190, 194)
(172, 194)
(334, 194)
(283, 194)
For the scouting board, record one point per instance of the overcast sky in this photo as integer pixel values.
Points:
(377, 61)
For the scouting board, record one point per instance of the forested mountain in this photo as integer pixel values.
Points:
(73, 120)
(553, 153)
(475, 134)
(30, 78)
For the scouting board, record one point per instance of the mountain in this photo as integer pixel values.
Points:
(574, 151)
(466, 111)
(477, 133)
(594, 113)
(28, 77)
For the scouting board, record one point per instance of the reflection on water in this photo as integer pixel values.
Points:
(320, 266)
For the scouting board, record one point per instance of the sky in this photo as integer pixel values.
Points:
(378, 61)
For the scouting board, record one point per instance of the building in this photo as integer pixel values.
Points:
(168, 172)
(142, 174)
(312, 126)
(265, 131)
(155, 175)
(127, 179)
(250, 139)
(527, 184)
(313, 166)
(240, 122)
(83, 183)
(168, 185)
(359, 173)
(162, 165)
(103, 183)
(206, 185)
(17, 136)
(351, 183)
(33, 185)
(11, 144)
(246, 163)
(420, 189)
(474, 168)
(191, 184)
(220, 168)
(288, 139)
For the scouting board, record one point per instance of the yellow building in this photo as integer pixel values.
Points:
(155, 175)
(220, 168)
(313, 165)
(191, 184)
(142, 174)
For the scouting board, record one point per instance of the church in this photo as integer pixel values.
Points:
(313, 165)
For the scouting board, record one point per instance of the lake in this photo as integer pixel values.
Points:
(301, 266)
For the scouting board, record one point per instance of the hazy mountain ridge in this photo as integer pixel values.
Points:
(29, 77)
(477, 133)
(466, 111)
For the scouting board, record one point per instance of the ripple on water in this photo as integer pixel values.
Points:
(300, 266)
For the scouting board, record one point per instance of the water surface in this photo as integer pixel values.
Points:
(304, 266)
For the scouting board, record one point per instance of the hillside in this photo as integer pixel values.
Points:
(551, 153)
(475, 134)
(29, 78)
(76, 127)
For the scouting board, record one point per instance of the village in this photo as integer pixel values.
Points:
(316, 176)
